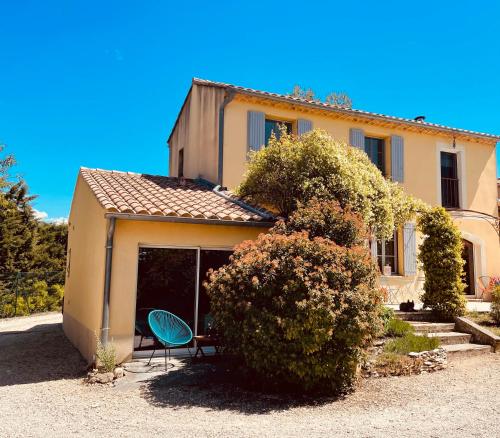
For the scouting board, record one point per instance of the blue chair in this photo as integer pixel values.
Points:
(170, 330)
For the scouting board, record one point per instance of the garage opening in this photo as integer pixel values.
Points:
(172, 279)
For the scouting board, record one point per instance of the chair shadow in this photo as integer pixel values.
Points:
(39, 354)
(214, 383)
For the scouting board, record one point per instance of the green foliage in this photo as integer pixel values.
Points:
(411, 342)
(397, 328)
(294, 170)
(105, 356)
(328, 220)
(495, 303)
(340, 99)
(441, 257)
(30, 251)
(386, 313)
(297, 310)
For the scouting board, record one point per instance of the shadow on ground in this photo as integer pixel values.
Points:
(41, 353)
(215, 385)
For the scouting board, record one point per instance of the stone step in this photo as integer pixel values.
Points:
(455, 351)
(449, 338)
(419, 315)
(433, 327)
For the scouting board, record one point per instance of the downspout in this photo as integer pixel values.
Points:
(228, 98)
(217, 191)
(107, 281)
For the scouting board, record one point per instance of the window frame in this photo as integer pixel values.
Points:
(383, 256)
(289, 123)
(383, 142)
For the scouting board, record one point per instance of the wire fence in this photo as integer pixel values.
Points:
(24, 293)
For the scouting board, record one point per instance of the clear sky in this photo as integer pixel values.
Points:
(99, 83)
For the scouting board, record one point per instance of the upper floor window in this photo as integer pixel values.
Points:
(180, 164)
(375, 149)
(449, 180)
(274, 126)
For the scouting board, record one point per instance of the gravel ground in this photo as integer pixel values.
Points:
(42, 394)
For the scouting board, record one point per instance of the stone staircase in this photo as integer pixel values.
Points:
(456, 344)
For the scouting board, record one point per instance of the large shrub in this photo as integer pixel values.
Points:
(441, 256)
(297, 310)
(293, 170)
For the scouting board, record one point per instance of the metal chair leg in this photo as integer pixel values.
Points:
(166, 365)
(151, 357)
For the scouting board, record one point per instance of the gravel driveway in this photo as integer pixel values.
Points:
(42, 395)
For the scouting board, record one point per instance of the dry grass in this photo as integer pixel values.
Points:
(485, 320)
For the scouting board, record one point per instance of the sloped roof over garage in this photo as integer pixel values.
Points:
(138, 194)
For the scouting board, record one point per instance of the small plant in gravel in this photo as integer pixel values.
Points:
(398, 328)
(105, 356)
(411, 343)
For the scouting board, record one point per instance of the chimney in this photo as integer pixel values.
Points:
(419, 119)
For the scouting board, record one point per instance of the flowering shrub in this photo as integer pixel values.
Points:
(297, 310)
(291, 170)
(495, 299)
(441, 256)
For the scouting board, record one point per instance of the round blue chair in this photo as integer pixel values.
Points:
(170, 330)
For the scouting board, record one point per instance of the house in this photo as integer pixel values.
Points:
(139, 241)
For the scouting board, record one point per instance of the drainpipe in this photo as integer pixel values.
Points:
(217, 190)
(229, 97)
(107, 281)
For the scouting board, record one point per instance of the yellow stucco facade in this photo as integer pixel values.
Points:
(83, 300)
(197, 133)
(422, 147)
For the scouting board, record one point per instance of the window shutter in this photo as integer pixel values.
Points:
(410, 248)
(303, 126)
(256, 130)
(373, 249)
(397, 158)
(357, 138)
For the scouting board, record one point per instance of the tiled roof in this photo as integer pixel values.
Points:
(161, 196)
(346, 111)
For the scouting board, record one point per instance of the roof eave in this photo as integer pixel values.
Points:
(187, 220)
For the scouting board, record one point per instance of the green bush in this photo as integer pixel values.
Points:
(394, 364)
(495, 303)
(398, 328)
(411, 342)
(297, 311)
(441, 256)
(293, 170)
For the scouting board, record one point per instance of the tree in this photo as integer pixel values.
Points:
(441, 256)
(339, 99)
(299, 309)
(293, 170)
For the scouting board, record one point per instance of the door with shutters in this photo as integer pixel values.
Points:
(468, 256)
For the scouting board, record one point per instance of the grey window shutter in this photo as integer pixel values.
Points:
(373, 249)
(256, 130)
(357, 138)
(410, 248)
(303, 126)
(397, 158)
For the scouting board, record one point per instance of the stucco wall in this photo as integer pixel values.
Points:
(129, 235)
(197, 131)
(85, 273)
(421, 174)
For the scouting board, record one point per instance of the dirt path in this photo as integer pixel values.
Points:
(42, 395)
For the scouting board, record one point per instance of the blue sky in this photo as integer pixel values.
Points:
(99, 84)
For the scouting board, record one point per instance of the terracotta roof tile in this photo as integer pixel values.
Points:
(153, 195)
